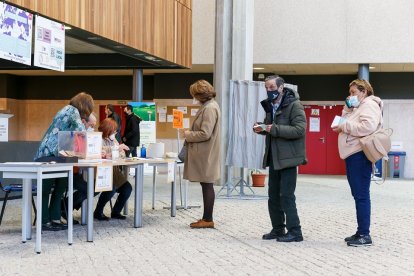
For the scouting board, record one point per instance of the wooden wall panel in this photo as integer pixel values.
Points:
(158, 27)
(32, 117)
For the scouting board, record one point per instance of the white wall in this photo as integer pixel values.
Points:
(319, 31)
(398, 115)
(203, 31)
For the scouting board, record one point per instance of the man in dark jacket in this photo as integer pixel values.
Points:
(285, 128)
(131, 134)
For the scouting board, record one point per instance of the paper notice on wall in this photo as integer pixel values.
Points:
(170, 118)
(103, 178)
(194, 111)
(186, 122)
(162, 109)
(162, 117)
(178, 118)
(183, 109)
(4, 129)
(314, 124)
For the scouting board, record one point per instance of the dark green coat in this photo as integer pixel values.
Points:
(287, 135)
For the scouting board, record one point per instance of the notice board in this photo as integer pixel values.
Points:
(164, 117)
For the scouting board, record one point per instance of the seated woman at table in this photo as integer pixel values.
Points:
(108, 127)
(68, 118)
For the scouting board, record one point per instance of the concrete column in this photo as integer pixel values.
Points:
(242, 54)
(363, 72)
(222, 71)
(138, 85)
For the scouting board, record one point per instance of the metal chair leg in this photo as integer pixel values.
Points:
(4, 206)
(35, 210)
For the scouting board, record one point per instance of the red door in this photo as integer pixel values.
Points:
(321, 142)
(118, 109)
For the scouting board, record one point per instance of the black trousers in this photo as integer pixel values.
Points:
(282, 200)
(124, 193)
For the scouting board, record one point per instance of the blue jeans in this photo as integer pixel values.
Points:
(358, 172)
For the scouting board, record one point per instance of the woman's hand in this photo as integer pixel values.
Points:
(123, 147)
(181, 132)
(337, 129)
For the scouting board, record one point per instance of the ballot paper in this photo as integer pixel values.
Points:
(337, 121)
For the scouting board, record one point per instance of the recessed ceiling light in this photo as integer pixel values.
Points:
(372, 67)
(258, 68)
(150, 58)
(68, 28)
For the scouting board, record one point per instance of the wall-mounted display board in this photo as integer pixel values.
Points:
(164, 119)
(49, 44)
(15, 34)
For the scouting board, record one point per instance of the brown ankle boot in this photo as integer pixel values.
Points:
(202, 224)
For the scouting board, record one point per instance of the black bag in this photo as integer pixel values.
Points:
(183, 152)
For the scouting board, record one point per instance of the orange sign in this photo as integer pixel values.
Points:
(178, 119)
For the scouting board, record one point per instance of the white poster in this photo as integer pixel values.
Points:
(103, 178)
(49, 48)
(4, 129)
(194, 111)
(170, 118)
(161, 109)
(314, 124)
(162, 117)
(186, 122)
(15, 34)
(183, 109)
(170, 174)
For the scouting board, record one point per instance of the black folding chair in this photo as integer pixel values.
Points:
(8, 189)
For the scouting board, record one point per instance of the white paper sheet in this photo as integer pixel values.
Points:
(315, 124)
(183, 109)
(103, 178)
(162, 117)
(186, 122)
(194, 111)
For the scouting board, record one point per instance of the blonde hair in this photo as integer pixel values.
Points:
(202, 90)
(362, 86)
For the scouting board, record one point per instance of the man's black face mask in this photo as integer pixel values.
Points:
(272, 95)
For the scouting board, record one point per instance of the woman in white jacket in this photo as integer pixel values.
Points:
(362, 116)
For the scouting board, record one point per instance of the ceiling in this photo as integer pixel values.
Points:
(88, 54)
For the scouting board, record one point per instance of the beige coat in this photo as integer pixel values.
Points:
(203, 149)
(360, 122)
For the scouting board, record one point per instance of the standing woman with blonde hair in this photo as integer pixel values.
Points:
(202, 163)
(362, 116)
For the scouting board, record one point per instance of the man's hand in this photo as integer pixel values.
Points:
(261, 127)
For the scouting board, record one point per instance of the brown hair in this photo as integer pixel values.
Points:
(362, 86)
(107, 127)
(83, 102)
(202, 90)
